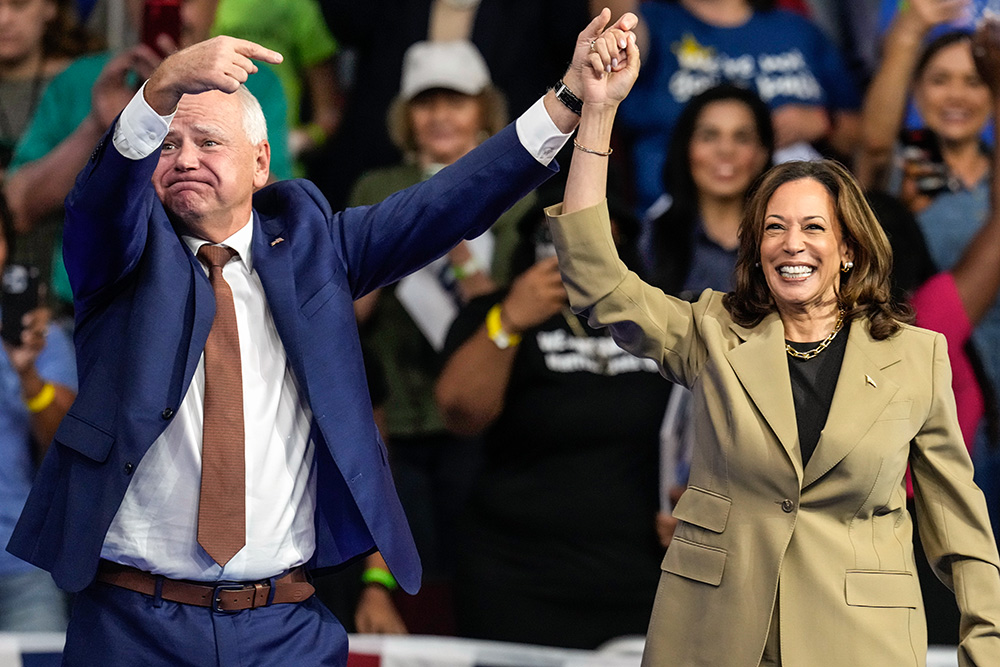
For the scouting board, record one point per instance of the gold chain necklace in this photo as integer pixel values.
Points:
(809, 354)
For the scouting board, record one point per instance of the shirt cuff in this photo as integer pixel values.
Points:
(539, 135)
(140, 130)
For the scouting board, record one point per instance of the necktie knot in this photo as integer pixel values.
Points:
(215, 256)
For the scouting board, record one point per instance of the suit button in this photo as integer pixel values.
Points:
(787, 505)
(167, 413)
(128, 468)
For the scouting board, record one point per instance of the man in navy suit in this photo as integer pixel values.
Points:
(114, 514)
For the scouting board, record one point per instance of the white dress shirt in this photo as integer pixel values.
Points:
(156, 526)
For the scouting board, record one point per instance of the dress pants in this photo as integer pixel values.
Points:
(116, 627)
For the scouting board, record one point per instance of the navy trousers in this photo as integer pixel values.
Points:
(115, 627)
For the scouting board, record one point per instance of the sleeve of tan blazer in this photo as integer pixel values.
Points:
(954, 523)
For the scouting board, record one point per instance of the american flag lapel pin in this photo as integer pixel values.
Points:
(276, 241)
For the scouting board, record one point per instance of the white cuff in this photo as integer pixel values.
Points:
(140, 130)
(538, 134)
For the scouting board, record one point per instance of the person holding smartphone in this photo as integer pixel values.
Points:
(37, 386)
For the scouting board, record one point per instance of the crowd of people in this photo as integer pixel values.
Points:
(549, 474)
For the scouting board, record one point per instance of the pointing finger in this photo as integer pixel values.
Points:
(258, 52)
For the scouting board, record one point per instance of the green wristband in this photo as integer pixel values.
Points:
(376, 575)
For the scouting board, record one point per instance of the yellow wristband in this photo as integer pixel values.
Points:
(42, 399)
(494, 329)
(376, 575)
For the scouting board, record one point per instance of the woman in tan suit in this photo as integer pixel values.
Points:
(812, 395)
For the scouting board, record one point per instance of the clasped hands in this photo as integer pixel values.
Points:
(605, 60)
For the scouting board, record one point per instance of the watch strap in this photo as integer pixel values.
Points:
(568, 98)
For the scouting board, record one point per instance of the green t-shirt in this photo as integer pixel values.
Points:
(294, 28)
(66, 103)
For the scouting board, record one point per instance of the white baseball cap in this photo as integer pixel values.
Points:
(455, 65)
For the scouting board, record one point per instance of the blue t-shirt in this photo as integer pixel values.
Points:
(781, 55)
(56, 363)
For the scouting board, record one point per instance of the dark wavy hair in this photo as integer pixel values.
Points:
(865, 291)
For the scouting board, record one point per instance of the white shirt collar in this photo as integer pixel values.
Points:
(241, 241)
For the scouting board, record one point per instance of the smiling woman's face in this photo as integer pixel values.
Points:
(726, 151)
(802, 247)
(950, 95)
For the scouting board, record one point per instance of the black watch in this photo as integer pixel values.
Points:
(568, 98)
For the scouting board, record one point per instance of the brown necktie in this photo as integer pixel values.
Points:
(221, 508)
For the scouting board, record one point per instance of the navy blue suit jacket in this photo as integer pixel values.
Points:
(144, 308)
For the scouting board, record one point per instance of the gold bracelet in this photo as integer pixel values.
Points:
(580, 147)
(42, 399)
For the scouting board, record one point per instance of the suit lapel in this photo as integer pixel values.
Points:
(204, 314)
(862, 394)
(762, 369)
(272, 262)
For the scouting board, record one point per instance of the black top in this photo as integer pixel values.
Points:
(570, 471)
(813, 383)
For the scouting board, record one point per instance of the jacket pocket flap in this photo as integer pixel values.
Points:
(81, 436)
(881, 588)
(703, 508)
(322, 295)
(695, 561)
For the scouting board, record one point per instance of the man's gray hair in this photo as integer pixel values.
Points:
(254, 124)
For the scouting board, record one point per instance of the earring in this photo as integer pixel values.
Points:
(847, 266)
(757, 265)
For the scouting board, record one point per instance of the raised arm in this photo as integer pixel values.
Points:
(613, 66)
(222, 63)
(885, 103)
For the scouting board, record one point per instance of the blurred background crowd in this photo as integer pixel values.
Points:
(536, 461)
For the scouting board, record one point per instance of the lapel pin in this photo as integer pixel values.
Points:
(276, 241)
(869, 380)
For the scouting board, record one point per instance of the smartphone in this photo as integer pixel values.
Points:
(19, 295)
(161, 17)
(921, 145)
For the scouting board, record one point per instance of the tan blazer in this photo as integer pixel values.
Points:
(828, 546)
